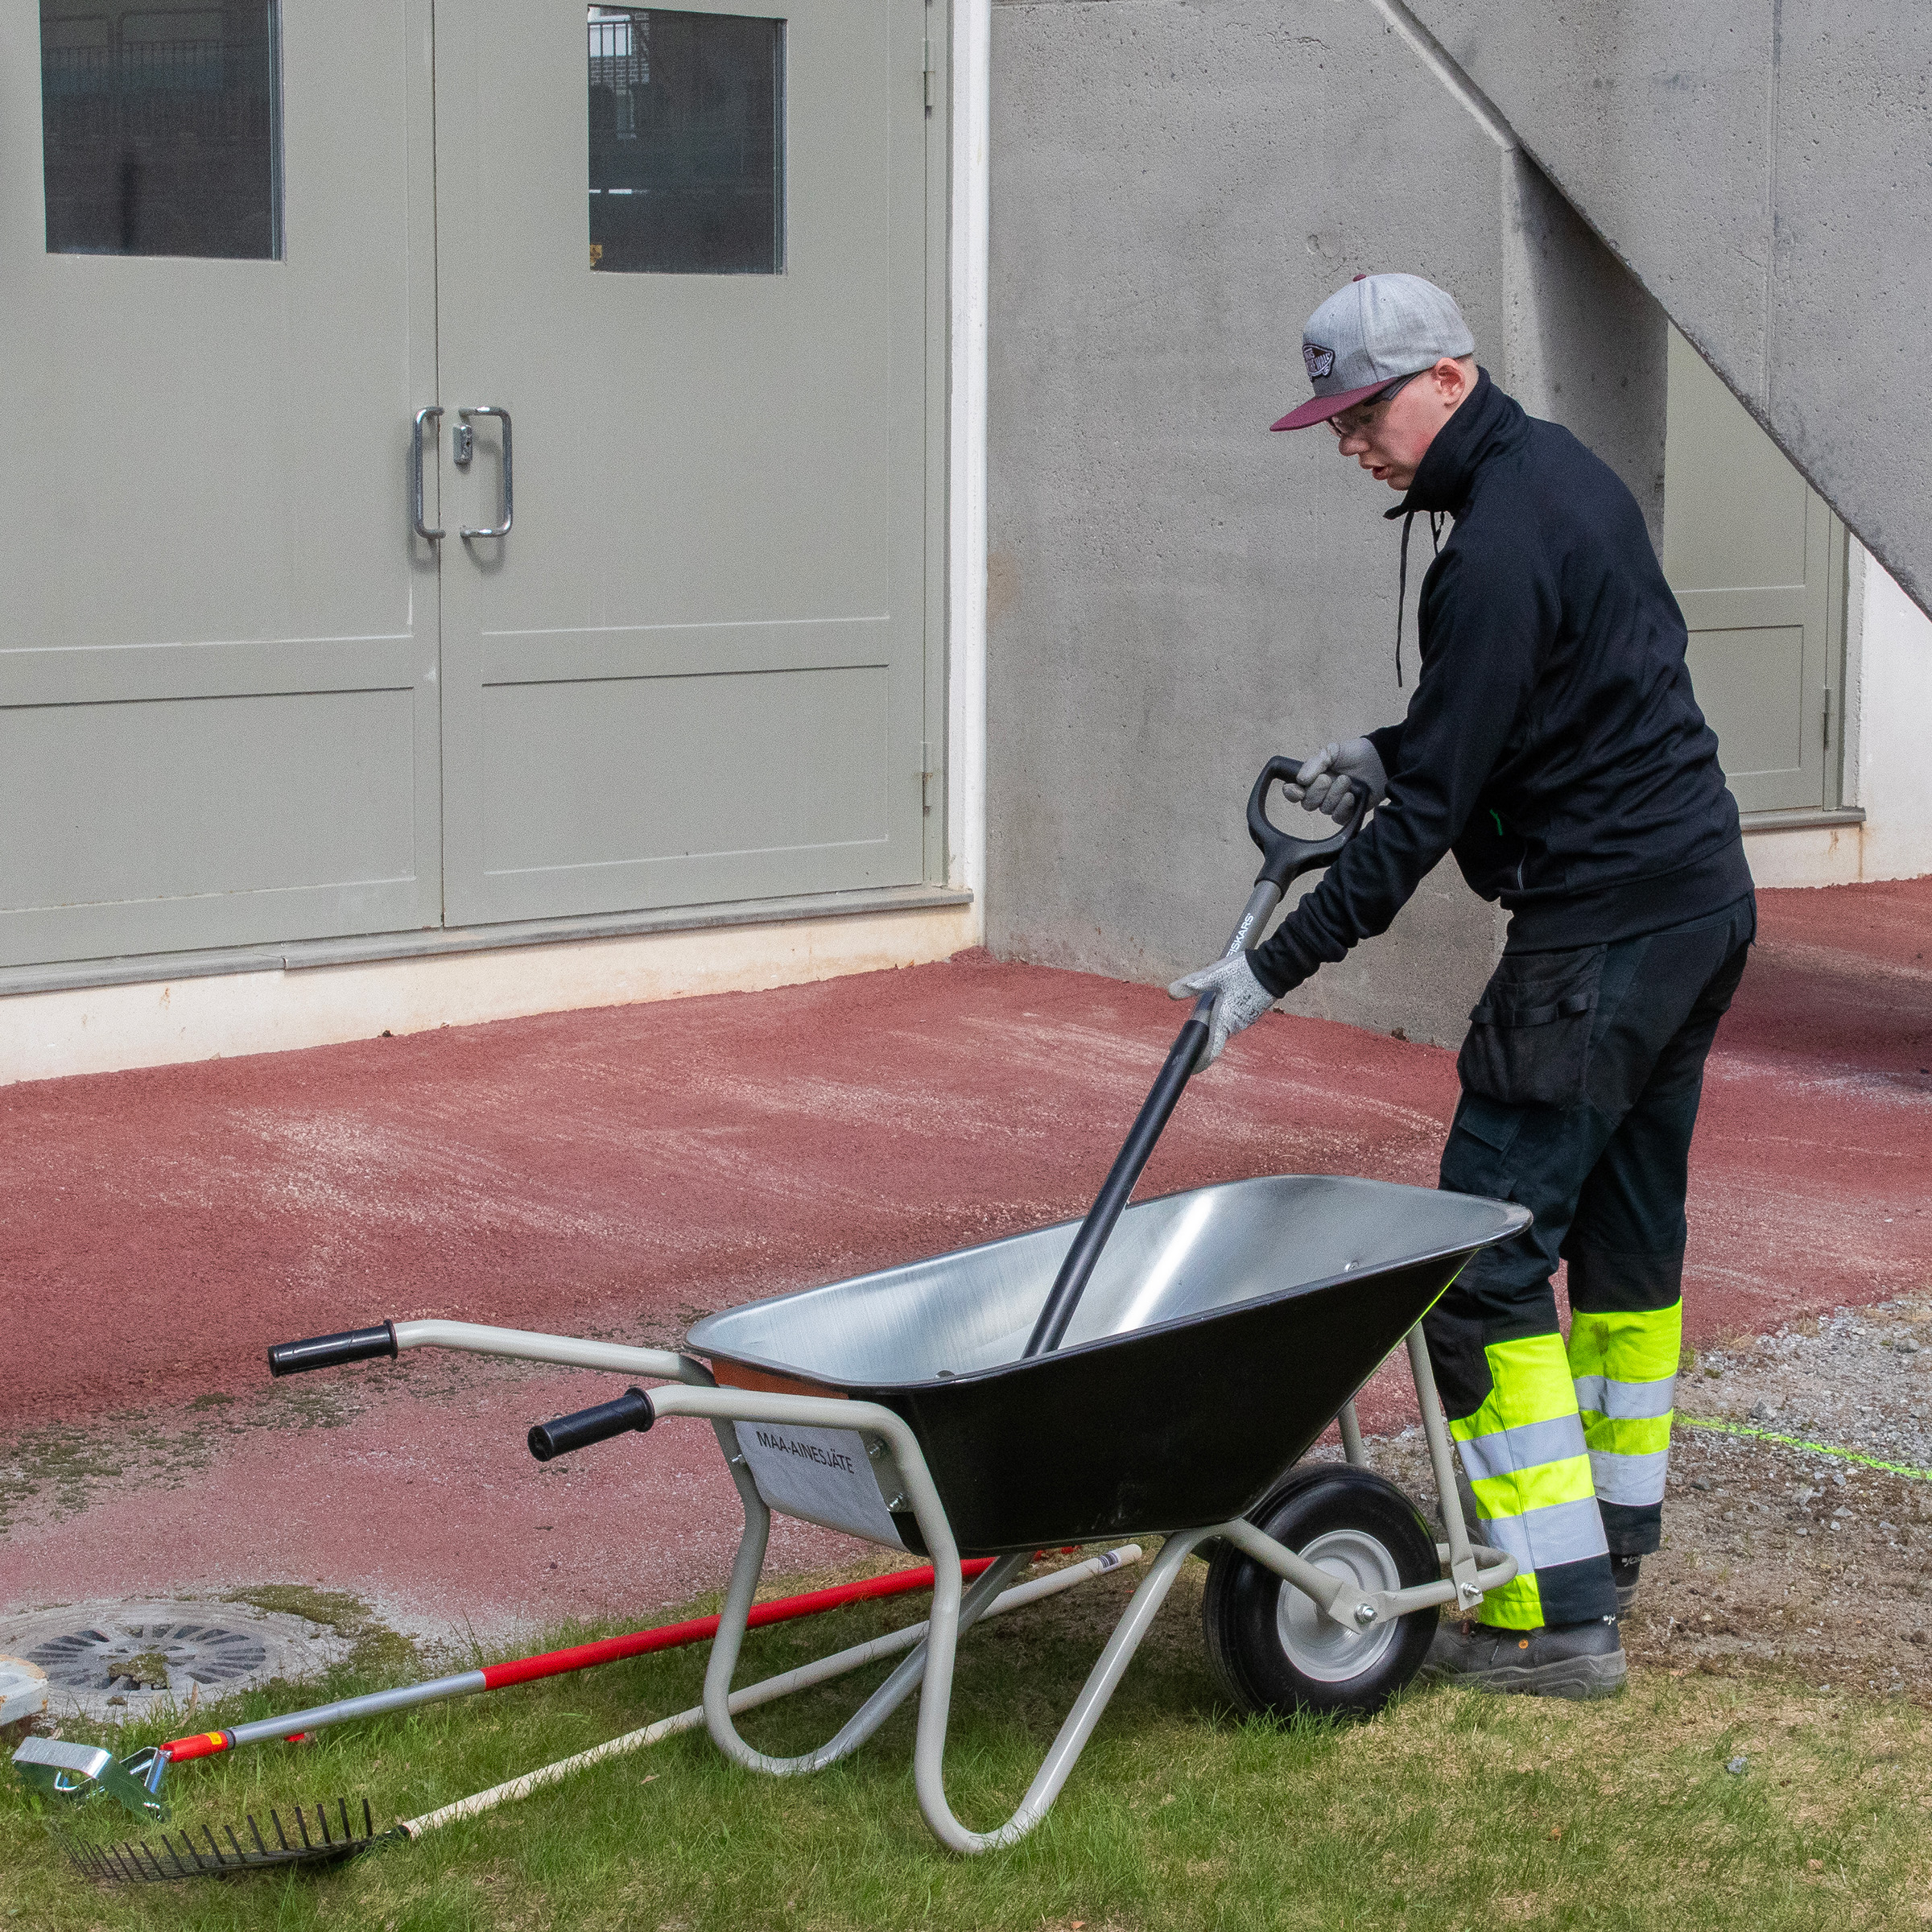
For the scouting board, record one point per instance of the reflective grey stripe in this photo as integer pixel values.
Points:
(1626, 1402)
(1539, 1539)
(1635, 1479)
(1505, 1452)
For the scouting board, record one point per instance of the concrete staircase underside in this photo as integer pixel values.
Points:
(1765, 168)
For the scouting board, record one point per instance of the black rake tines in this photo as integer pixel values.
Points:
(181, 1856)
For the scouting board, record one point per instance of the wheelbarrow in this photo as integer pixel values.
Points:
(1220, 1330)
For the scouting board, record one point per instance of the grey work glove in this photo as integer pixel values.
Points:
(1329, 780)
(1240, 999)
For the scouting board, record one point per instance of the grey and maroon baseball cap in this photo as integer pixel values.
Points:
(1374, 332)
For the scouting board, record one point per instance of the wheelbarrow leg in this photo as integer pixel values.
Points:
(1442, 1462)
(889, 1695)
(1459, 1551)
(929, 1753)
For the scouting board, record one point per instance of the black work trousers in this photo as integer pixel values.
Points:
(1582, 1076)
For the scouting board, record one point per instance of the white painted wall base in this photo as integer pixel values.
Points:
(1889, 693)
(1809, 855)
(159, 1023)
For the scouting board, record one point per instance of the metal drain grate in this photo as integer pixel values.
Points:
(126, 1656)
(118, 1660)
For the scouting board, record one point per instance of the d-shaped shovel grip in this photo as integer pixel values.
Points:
(1283, 856)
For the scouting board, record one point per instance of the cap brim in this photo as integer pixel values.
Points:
(1319, 409)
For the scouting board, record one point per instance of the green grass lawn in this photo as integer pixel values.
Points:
(1449, 1811)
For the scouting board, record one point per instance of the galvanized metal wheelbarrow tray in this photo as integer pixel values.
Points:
(1222, 1331)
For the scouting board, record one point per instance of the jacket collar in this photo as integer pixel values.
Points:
(1489, 422)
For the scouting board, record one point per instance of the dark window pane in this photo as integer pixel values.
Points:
(159, 122)
(687, 142)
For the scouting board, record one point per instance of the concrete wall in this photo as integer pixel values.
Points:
(1891, 678)
(1173, 594)
(1888, 700)
(1585, 345)
(1764, 167)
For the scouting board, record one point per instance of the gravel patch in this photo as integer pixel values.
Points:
(1778, 1558)
(1859, 1380)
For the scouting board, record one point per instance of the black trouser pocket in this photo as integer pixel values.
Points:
(1528, 1043)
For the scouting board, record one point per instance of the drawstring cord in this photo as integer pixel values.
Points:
(1401, 598)
(1401, 587)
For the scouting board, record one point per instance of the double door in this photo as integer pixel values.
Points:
(630, 305)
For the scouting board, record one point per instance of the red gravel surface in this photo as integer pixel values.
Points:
(619, 1172)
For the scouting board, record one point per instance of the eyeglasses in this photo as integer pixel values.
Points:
(1352, 422)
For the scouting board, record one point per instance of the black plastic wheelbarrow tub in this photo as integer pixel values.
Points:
(1221, 1332)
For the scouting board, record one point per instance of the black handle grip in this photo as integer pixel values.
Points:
(631, 1411)
(332, 1351)
(1284, 856)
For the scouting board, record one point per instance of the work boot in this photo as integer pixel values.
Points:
(1623, 1573)
(1571, 1660)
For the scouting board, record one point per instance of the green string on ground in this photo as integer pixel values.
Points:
(1799, 1442)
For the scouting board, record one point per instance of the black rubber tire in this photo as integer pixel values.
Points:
(1242, 1609)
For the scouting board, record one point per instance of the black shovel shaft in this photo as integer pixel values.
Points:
(1284, 859)
(1069, 1284)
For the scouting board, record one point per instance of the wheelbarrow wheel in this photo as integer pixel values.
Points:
(1271, 1648)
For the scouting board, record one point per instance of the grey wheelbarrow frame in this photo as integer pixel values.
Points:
(1154, 1369)
(909, 1498)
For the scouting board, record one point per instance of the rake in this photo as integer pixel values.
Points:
(76, 1772)
(136, 1861)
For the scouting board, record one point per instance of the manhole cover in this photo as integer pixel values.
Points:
(121, 1660)
(122, 1654)
(22, 1690)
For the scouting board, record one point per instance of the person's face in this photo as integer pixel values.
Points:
(1389, 436)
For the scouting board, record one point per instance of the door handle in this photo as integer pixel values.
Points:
(502, 529)
(423, 416)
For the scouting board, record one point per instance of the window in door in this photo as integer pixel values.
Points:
(687, 142)
(1757, 562)
(159, 128)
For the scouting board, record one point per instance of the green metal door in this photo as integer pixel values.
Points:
(675, 265)
(218, 698)
(1757, 563)
(684, 254)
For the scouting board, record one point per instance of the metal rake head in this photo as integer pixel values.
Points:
(136, 1860)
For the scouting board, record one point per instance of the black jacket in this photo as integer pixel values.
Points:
(1553, 743)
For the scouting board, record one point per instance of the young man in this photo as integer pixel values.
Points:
(1553, 743)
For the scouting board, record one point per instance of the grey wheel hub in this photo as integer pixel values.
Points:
(1319, 1648)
